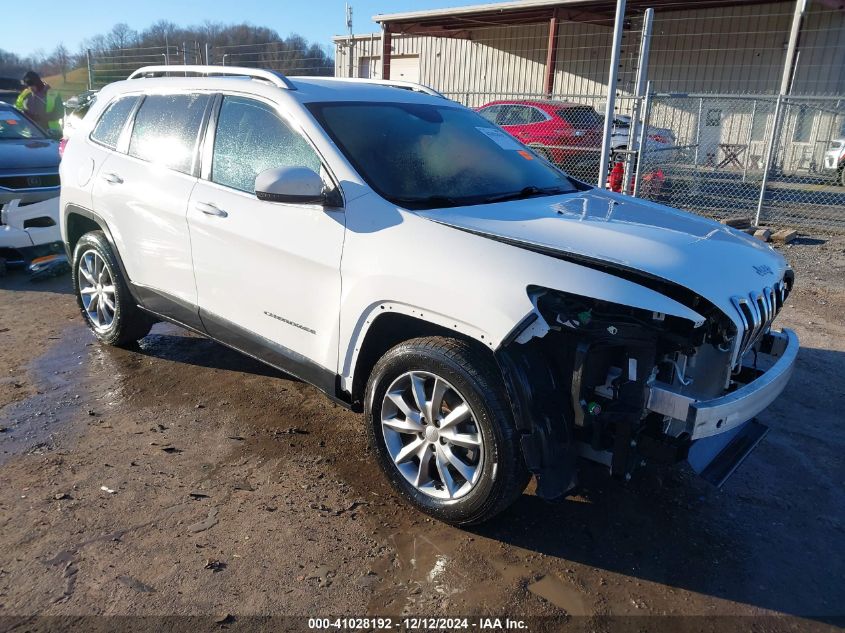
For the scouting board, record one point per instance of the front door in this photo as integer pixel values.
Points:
(267, 273)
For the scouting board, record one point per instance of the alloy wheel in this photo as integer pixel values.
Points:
(431, 435)
(96, 288)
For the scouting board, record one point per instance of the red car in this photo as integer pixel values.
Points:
(568, 134)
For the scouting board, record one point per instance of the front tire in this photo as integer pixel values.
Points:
(103, 294)
(443, 430)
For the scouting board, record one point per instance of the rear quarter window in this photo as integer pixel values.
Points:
(108, 128)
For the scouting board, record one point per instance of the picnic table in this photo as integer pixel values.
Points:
(732, 152)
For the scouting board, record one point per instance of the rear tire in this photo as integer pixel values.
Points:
(103, 294)
(419, 459)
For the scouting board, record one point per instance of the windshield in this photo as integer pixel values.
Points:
(13, 125)
(423, 156)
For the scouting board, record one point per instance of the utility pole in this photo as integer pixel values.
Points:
(351, 40)
(90, 70)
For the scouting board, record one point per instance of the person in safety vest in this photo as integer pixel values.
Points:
(40, 103)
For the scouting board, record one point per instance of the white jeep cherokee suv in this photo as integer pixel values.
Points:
(493, 318)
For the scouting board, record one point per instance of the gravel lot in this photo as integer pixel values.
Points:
(183, 478)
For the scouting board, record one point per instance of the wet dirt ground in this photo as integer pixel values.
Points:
(183, 478)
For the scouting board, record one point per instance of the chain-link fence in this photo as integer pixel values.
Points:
(771, 159)
(279, 56)
(297, 58)
(106, 66)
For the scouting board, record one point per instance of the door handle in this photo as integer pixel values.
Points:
(210, 209)
(113, 178)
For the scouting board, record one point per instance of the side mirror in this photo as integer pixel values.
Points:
(294, 185)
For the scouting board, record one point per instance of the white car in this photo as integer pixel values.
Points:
(657, 138)
(491, 317)
(834, 160)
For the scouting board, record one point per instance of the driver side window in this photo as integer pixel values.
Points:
(250, 138)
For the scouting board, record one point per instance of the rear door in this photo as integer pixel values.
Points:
(87, 155)
(267, 273)
(143, 194)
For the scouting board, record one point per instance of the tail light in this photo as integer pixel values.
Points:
(659, 138)
(62, 145)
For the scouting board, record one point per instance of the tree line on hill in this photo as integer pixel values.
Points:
(122, 49)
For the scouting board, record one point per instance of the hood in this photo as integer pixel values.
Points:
(596, 226)
(29, 154)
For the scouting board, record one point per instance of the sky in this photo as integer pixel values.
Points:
(316, 20)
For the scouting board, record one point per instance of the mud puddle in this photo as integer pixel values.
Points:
(419, 574)
(62, 378)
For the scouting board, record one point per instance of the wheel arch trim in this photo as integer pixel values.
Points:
(365, 326)
(74, 209)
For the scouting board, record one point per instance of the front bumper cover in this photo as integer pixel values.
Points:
(706, 418)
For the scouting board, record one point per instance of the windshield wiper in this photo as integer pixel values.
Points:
(526, 192)
(428, 202)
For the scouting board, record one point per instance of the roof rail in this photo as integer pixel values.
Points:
(395, 83)
(277, 79)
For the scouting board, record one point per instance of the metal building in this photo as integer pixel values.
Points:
(563, 47)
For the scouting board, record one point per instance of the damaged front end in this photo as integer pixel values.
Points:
(619, 385)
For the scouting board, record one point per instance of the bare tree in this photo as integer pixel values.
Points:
(61, 59)
(121, 36)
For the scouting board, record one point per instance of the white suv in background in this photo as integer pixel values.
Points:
(493, 318)
(834, 160)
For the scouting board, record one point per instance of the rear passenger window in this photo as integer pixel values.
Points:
(535, 116)
(108, 128)
(490, 113)
(251, 138)
(167, 129)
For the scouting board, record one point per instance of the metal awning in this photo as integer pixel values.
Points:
(512, 13)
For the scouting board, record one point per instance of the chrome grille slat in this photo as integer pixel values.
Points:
(756, 311)
(756, 317)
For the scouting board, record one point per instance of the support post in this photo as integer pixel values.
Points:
(748, 141)
(551, 54)
(767, 161)
(642, 79)
(184, 54)
(646, 114)
(785, 88)
(698, 132)
(90, 70)
(207, 57)
(386, 45)
(792, 47)
(610, 108)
